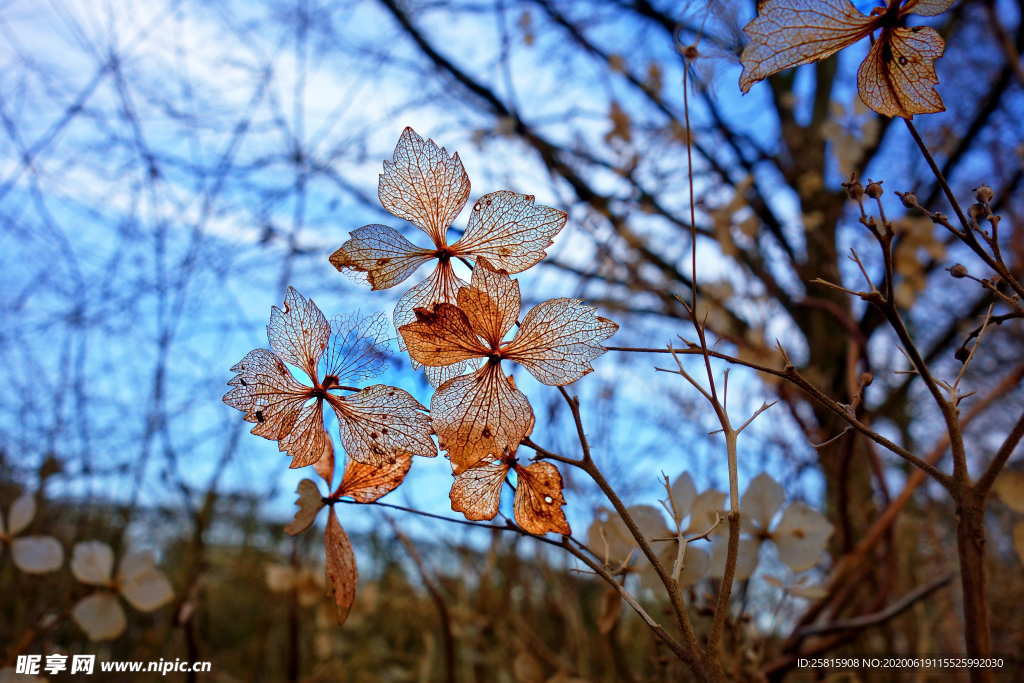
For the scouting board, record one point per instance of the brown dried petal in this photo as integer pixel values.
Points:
(307, 440)
(480, 414)
(558, 339)
(342, 575)
(510, 231)
(309, 502)
(476, 492)
(442, 336)
(382, 253)
(267, 393)
(491, 302)
(381, 423)
(365, 484)
(787, 33)
(357, 350)
(926, 8)
(325, 465)
(298, 332)
(898, 78)
(538, 503)
(424, 185)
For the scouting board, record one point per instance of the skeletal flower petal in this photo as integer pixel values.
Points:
(476, 492)
(100, 615)
(382, 253)
(708, 507)
(380, 423)
(746, 556)
(341, 572)
(442, 336)
(557, 340)
(683, 494)
(926, 8)
(307, 440)
(787, 33)
(898, 77)
(539, 500)
(510, 230)
(491, 303)
(298, 332)
(424, 185)
(365, 484)
(309, 503)
(480, 414)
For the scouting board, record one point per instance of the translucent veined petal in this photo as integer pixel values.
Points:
(787, 33)
(510, 230)
(424, 185)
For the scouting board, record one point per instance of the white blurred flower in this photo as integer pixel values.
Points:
(100, 614)
(800, 536)
(32, 554)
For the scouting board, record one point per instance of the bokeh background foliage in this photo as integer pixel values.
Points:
(168, 168)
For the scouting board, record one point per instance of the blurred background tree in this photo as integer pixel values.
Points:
(169, 167)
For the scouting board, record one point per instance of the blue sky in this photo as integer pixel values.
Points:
(88, 235)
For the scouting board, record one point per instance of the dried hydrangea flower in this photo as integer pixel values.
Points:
(378, 424)
(426, 186)
(483, 413)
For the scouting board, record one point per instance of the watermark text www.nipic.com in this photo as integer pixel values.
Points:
(86, 665)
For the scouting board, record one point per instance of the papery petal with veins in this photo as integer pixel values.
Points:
(309, 503)
(307, 440)
(898, 77)
(479, 414)
(476, 492)
(510, 230)
(358, 349)
(491, 303)
(381, 422)
(382, 253)
(365, 484)
(442, 336)
(100, 615)
(787, 33)
(424, 185)
(707, 508)
(267, 393)
(298, 332)
(341, 573)
(926, 8)
(539, 500)
(557, 340)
